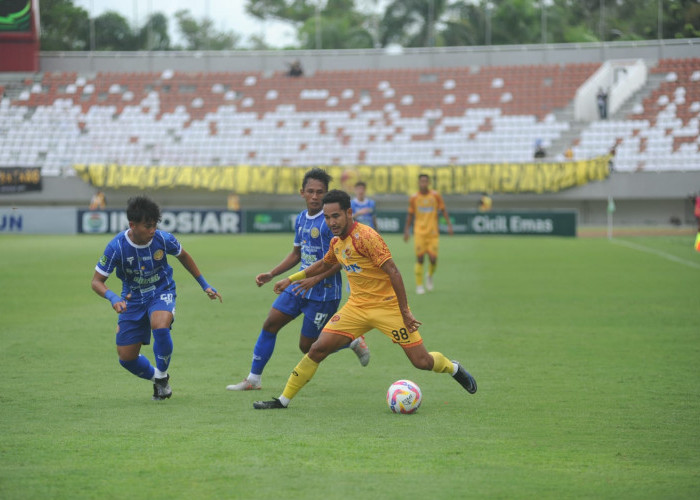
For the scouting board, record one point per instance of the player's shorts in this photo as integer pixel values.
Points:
(352, 321)
(316, 312)
(134, 324)
(428, 243)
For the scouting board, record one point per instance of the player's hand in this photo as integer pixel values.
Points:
(263, 278)
(281, 285)
(406, 237)
(411, 323)
(303, 286)
(120, 307)
(450, 230)
(213, 294)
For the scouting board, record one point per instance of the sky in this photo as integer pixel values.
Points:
(228, 15)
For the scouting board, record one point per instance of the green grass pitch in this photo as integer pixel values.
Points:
(586, 352)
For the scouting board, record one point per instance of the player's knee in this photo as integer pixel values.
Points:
(305, 344)
(423, 362)
(318, 352)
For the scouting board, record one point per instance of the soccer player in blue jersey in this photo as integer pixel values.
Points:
(363, 208)
(147, 300)
(316, 298)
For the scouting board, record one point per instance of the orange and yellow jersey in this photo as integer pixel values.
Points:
(425, 209)
(362, 253)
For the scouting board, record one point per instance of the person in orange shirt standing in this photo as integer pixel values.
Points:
(423, 211)
(377, 300)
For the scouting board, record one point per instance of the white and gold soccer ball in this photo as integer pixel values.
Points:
(404, 396)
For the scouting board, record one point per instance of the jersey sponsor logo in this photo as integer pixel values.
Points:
(159, 254)
(315, 233)
(147, 281)
(103, 260)
(353, 268)
(130, 260)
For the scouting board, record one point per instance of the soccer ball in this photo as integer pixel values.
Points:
(404, 396)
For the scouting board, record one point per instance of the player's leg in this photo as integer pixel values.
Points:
(316, 315)
(418, 267)
(131, 359)
(327, 343)
(133, 331)
(161, 312)
(432, 251)
(438, 362)
(349, 323)
(285, 308)
(388, 320)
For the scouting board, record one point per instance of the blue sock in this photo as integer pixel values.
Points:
(263, 351)
(140, 367)
(162, 348)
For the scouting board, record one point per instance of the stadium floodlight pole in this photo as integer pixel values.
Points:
(318, 24)
(92, 25)
(660, 26)
(487, 37)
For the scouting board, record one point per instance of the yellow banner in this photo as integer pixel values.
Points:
(452, 179)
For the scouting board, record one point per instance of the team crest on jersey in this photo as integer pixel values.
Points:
(315, 233)
(335, 318)
(103, 260)
(159, 254)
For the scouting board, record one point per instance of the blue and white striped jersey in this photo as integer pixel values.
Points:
(314, 237)
(143, 269)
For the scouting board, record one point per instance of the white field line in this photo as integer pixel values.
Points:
(658, 253)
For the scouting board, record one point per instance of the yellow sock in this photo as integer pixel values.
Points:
(442, 364)
(418, 269)
(302, 373)
(431, 268)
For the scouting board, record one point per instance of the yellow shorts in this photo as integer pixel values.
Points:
(353, 321)
(428, 243)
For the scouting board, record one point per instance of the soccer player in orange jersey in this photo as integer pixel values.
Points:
(377, 300)
(423, 210)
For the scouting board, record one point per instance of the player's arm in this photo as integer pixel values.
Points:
(188, 263)
(392, 271)
(447, 218)
(407, 229)
(291, 260)
(443, 208)
(318, 268)
(306, 284)
(100, 287)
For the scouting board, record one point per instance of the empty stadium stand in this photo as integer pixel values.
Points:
(431, 116)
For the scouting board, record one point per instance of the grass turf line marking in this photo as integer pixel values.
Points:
(659, 253)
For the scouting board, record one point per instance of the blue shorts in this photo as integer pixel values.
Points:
(316, 313)
(134, 324)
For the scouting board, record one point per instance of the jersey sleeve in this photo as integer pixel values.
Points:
(297, 231)
(108, 261)
(330, 257)
(440, 201)
(373, 247)
(412, 205)
(172, 245)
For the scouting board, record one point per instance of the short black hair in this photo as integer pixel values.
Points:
(360, 183)
(142, 209)
(424, 175)
(319, 174)
(337, 196)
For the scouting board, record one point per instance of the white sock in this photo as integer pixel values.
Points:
(455, 369)
(284, 401)
(159, 374)
(254, 378)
